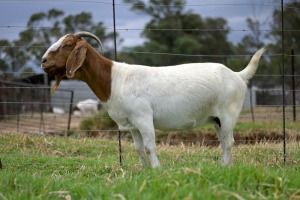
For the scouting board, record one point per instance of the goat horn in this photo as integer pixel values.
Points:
(91, 35)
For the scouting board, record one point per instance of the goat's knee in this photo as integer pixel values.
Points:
(150, 148)
(141, 152)
(142, 155)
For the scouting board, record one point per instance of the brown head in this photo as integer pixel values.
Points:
(65, 57)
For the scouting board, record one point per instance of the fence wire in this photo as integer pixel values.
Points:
(33, 118)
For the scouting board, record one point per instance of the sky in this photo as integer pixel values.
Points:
(14, 15)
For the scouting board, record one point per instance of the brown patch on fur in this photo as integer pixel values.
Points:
(96, 72)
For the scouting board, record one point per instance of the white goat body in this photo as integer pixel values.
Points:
(176, 97)
(140, 98)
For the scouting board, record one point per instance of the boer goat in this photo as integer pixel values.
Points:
(141, 99)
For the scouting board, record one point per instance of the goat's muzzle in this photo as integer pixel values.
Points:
(51, 68)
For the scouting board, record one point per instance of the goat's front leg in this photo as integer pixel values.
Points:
(139, 146)
(149, 141)
(146, 128)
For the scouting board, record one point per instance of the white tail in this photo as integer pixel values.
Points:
(251, 68)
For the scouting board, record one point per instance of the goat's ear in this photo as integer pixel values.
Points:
(75, 60)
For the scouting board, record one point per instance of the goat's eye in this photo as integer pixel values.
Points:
(68, 45)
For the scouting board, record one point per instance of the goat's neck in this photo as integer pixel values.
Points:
(96, 72)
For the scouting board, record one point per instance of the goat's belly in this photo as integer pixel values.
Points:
(177, 123)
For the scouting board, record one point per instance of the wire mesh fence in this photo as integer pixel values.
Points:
(29, 108)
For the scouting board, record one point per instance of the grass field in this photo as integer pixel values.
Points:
(43, 167)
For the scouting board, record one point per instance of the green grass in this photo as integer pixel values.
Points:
(68, 168)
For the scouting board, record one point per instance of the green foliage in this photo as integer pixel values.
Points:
(99, 121)
(156, 8)
(176, 31)
(291, 38)
(27, 71)
(71, 132)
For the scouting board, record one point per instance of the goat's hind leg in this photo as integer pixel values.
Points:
(139, 146)
(227, 144)
(225, 134)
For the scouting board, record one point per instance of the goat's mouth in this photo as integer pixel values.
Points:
(49, 69)
(52, 69)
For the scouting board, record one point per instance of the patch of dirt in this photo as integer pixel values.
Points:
(211, 139)
(206, 138)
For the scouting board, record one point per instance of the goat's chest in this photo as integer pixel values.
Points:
(121, 118)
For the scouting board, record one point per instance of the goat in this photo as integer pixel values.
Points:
(141, 99)
(87, 106)
(58, 110)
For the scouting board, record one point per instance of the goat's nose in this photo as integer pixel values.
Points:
(44, 60)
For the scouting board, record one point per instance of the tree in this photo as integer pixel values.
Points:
(291, 35)
(11, 57)
(248, 45)
(33, 42)
(254, 40)
(4, 44)
(291, 26)
(173, 30)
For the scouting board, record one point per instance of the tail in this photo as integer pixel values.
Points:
(247, 73)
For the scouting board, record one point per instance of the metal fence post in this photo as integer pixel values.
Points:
(283, 85)
(70, 109)
(251, 101)
(18, 108)
(293, 85)
(116, 58)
